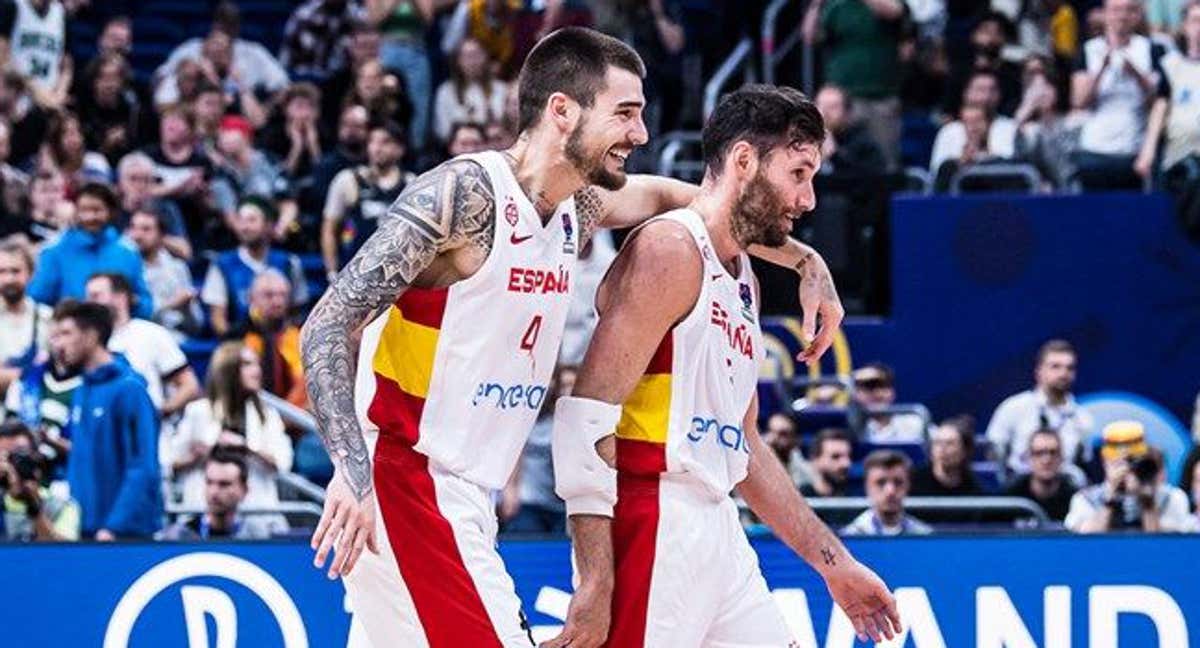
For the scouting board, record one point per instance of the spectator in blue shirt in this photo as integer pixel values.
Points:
(92, 245)
(113, 470)
(226, 289)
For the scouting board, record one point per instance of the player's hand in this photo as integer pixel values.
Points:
(348, 521)
(818, 296)
(866, 600)
(588, 618)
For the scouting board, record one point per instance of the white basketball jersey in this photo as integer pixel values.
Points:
(686, 413)
(460, 373)
(37, 42)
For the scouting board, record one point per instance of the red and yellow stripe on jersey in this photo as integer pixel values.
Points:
(646, 416)
(403, 362)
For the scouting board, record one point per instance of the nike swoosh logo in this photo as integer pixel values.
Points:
(716, 277)
(517, 240)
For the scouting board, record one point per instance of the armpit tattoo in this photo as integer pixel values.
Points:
(589, 210)
(446, 208)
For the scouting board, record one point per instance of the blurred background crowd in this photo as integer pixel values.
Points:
(180, 179)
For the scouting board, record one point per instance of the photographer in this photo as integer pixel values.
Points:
(31, 511)
(1132, 496)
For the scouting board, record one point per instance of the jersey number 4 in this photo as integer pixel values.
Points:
(531, 334)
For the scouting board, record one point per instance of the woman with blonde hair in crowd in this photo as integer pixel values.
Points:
(232, 414)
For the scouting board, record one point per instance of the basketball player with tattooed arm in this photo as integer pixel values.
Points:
(455, 308)
(678, 344)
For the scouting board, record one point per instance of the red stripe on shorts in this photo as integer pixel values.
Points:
(447, 602)
(635, 532)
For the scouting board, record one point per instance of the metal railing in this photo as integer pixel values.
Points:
(669, 164)
(1020, 171)
(1020, 508)
(773, 55)
(301, 509)
(919, 179)
(740, 57)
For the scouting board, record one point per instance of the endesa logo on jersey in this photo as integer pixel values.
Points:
(506, 397)
(534, 280)
(739, 337)
(727, 436)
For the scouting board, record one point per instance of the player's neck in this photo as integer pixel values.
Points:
(544, 173)
(714, 203)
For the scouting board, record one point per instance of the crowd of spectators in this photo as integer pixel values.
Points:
(1040, 445)
(1092, 94)
(157, 221)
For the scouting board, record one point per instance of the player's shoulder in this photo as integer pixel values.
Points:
(664, 242)
(454, 179)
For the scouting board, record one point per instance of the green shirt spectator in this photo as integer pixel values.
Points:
(860, 49)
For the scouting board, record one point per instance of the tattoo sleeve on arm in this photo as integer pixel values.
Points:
(446, 208)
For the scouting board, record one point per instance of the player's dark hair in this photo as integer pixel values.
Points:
(573, 61)
(766, 116)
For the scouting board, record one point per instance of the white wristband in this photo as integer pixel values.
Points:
(582, 478)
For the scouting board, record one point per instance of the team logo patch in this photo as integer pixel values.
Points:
(568, 233)
(510, 212)
(747, 301)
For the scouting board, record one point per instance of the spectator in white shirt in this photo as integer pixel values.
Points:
(1049, 404)
(955, 138)
(1133, 496)
(1176, 111)
(168, 278)
(470, 94)
(1114, 80)
(23, 323)
(148, 347)
(886, 478)
(875, 389)
(252, 67)
(232, 414)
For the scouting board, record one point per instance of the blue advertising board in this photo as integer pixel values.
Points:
(954, 592)
(980, 282)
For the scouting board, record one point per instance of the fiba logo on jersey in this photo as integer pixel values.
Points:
(202, 602)
(510, 212)
(568, 233)
(747, 302)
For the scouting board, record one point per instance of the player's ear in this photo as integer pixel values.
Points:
(743, 157)
(562, 111)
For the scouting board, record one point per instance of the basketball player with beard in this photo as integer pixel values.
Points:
(456, 308)
(667, 395)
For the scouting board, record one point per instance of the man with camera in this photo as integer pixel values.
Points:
(1133, 496)
(32, 512)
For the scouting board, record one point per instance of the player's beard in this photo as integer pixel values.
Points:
(758, 215)
(591, 167)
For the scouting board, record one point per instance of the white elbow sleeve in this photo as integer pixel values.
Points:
(582, 478)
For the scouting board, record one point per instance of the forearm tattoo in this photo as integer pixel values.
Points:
(449, 207)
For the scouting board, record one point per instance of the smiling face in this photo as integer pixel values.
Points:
(609, 131)
(780, 192)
